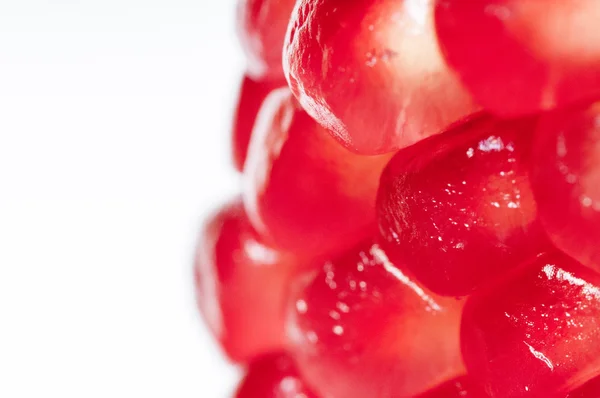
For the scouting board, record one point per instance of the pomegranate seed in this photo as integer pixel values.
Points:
(522, 56)
(364, 328)
(261, 29)
(590, 389)
(371, 72)
(457, 209)
(241, 284)
(303, 191)
(566, 181)
(251, 96)
(536, 334)
(273, 376)
(461, 387)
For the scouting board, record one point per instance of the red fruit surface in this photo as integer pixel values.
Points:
(273, 376)
(590, 389)
(261, 28)
(457, 209)
(242, 284)
(522, 56)
(304, 191)
(252, 93)
(461, 387)
(371, 72)
(364, 328)
(536, 334)
(566, 180)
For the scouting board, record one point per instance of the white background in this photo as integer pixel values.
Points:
(114, 120)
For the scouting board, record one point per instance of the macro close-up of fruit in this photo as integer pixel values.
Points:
(418, 212)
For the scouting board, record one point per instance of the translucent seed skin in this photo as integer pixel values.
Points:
(303, 191)
(371, 72)
(251, 95)
(518, 57)
(242, 284)
(261, 29)
(273, 376)
(537, 333)
(363, 327)
(566, 180)
(457, 210)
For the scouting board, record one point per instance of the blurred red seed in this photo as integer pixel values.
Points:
(536, 334)
(364, 328)
(457, 209)
(522, 56)
(273, 376)
(371, 72)
(242, 284)
(261, 28)
(303, 191)
(461, 387)
(251, 95)
(566, 180)
(590, 389)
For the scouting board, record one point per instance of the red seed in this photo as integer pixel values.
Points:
(371, 71)
(457, 209)
(537, 333)
(522, 56)
(590, 389)
(303, 191)
(461, 387)
(365, 328)
(261, 28)
(242, 284)
(566, 181)
(273, 376)
(252, 93)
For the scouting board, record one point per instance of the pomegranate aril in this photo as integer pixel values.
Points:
(522, 56)
(537, 333)
(261, 28)
(303, 191)
(364, 328)
(371, 72)
(242, 284)
(566, 180)
(273, 376)
(461, 387)
(590, 389)
(457, 209)
(252, 93)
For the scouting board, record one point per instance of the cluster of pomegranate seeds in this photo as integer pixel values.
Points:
(420, 209)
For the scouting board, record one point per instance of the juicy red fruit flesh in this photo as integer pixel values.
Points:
(566, 180)
(537, 333)
(239, 280)
(364, 328)
(522, 56)
(261, 28)
(461, 387)
(273, 376)
(371, 72)
(457, 209)
(251, 95)
(303, 191)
